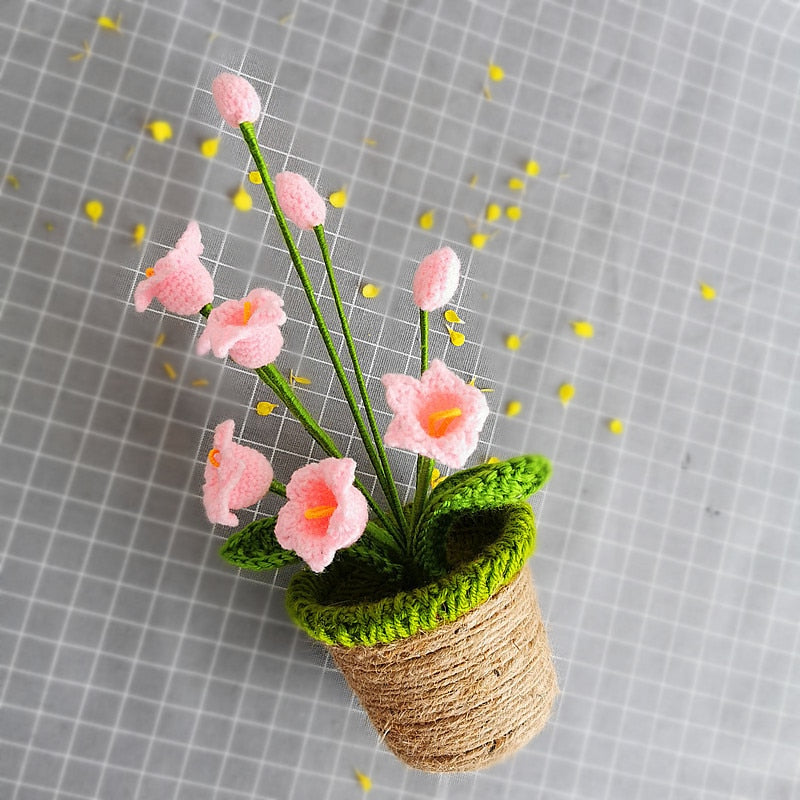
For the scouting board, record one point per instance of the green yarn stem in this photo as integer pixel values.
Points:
(392, 496)
(249, 135)
(424, 464)
(278, 489)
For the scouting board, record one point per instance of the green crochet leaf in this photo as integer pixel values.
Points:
(482, 488)
(255, 547)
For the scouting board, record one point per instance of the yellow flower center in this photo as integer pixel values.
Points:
(319, 512)
(440, 421)
(149, 272)
(212, 457)
(248, 311)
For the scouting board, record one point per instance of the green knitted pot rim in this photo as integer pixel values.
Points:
(311, 602)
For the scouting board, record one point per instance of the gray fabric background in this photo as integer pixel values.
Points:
(134, 664)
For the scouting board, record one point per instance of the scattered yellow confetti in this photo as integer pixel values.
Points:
(338, 199)
(363, 780)
(493, 212)
(161, 338)
(370, 290)
(496, 73)
(517, 184)
(48, 226)
(486, 390)
(436, 478)
(209, 147)
(170, 370)
(242, 200)
(160, 130)
(456, 337)
(708, 292)
(131, 150)
(486, 93)
(513, 408)
(370, 142)
(12, 181)
(264, 409)
(138, 234)
(513, 342)
(426, 220)
(298, 379)
(110, 24)
(532, 168)
(285, 18)
(473, 181)
(583, 329)
(565, 393)
(452, 317)
(199, 382)
(616, 426)
(94, 210)
(81, 53)
(254, 177)
(478, 240)
(513, 212)
(492, 460)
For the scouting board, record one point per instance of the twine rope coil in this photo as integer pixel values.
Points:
(465, 695)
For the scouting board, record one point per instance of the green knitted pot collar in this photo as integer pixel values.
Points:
(349, 605)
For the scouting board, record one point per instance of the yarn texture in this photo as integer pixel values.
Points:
(436, 279)
(236, 99)
(299, 200)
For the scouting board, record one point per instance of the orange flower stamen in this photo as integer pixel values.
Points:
(248, 311)
(149, 272)
(212, 457)
(319, 512)
(440, 421)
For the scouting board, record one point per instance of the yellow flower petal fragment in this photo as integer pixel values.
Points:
(170, 370)
(452, 317)
(370, 290)
(517, 184)
(264, 409)
(49, 226)
(492, 460)
(199, 382)
(478, 240)
(496, 73)
(616, 426)
(158, 342)
(160, 130)
(298, 379)
(583, 329)
(513, 341)
(513, 212)
(493, 212)
(370, 142)
(565, 393)
(426, 220)
(708, 292)
(81, 53)
(338, 199)
(532, 168)
(363, 780)
(436, 478)
(94, 210)
(110, 24)
(138, 233)
(513, 408)
(486, 93)
(254, 177)
(209, 147)
(473, 181)
(456, 337)
(12, 181)
(242, 200)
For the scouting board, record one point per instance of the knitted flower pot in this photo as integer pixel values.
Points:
(456, 672)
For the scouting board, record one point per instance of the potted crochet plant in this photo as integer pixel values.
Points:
(427, 607)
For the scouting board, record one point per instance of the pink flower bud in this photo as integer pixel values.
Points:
(436, 279)
(236, 99)
(299, 200)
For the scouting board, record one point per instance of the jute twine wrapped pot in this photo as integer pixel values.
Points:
(457, 673)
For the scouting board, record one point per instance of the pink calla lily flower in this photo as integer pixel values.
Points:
(324, 512)
(246, 330)
(436, 279)
(299, 200)
(235, 477)
(439, 415)
(236, 99)
(179, 281)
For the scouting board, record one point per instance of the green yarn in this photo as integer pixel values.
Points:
(255, 547)
(350, 604)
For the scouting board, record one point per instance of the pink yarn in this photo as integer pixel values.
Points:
(178, 280)
(327, 484)
(425, 421)
(436, 279)
(242, 477)
(299, 200)
(251, 337)
(236, 99)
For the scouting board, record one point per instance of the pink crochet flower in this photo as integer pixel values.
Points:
(236, 99)
(324, 512)
(438, 416)
(247, 329)
(178, 280)
(236, 476)
(436, 279)
(299, 200)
